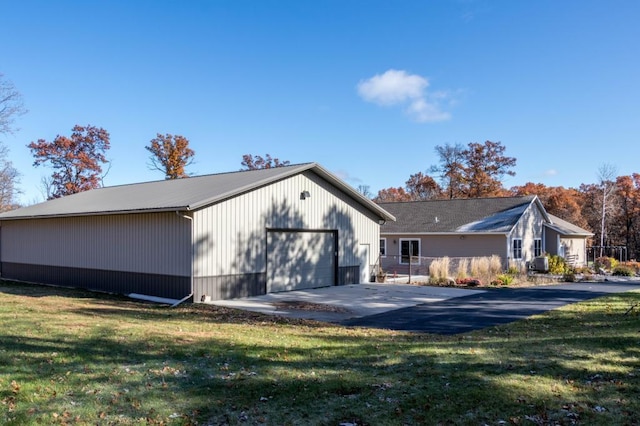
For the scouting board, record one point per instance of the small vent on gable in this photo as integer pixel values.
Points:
(436, 221)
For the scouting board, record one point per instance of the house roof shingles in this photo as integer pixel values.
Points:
(469, 215)
(178, 194)
(567, 228)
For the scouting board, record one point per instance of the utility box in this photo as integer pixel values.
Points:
(540, 264)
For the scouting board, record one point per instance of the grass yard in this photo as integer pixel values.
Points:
(70, 357)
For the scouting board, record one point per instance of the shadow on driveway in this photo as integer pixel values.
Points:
(492, 307)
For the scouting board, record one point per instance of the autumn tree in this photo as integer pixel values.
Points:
(566, 203)
(171, 155)
(76, 160)
(450, 170)
(626, 221)
(485, 166)
(11, 107)
(392, 195)
(249, 162)
(422, 187)
(475, 171)
(418, 187)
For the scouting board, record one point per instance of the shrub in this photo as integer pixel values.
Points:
(606, 263)
(495, 264)
(632, 264)
(463, 267)
(514, 270)
(623, 271)
(480, 267)
(569, 277)
(441, 281)
(471, 282)
(503, 279)
(439, 268)
(557, 265)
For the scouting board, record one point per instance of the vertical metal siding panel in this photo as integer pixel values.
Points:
(147, 243)
(237, 227)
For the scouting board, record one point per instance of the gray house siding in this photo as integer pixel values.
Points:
(436, 246)
(230, 237)
(132, 253)
(529, 228)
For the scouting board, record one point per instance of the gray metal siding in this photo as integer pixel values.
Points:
(156, 243)
(119, 282)
(230, 237)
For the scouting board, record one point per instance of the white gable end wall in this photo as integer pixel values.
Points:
(529, 227)
(230, 238)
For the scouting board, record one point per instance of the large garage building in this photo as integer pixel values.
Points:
(213, 237)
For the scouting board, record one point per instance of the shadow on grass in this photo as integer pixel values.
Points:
(108, 361)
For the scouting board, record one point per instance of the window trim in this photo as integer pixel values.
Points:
(400, 241)
(385, 247)
(537, 247)
(516, 250)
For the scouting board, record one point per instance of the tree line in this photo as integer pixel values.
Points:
(610, 208)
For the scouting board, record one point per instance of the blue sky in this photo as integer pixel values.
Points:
(365, 88)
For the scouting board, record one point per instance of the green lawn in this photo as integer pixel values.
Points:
(70, 357)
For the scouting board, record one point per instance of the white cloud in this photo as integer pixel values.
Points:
(397, 87)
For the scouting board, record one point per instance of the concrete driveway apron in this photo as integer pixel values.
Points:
(340, 303)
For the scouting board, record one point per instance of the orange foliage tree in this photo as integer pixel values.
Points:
(475, 171)
(566, 203)
(484, 166)
(418, 187)
(77, 160)
(249, 162)
(171, 155)
(626, 221)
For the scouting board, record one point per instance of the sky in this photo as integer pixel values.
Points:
(367, 89)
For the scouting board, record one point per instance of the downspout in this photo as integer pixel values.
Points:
(192, 259)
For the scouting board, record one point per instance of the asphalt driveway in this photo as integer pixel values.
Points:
(426, 309)
(489, 308)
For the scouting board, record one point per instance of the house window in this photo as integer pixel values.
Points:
(383, 247)
(410, 249)
(517, 248)
(537, 247)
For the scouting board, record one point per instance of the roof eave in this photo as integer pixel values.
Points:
(100, 213)
(445, 233)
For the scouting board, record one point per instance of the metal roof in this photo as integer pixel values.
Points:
(468, 215)
(178, 194)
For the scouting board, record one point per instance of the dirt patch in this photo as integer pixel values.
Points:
(308, 306)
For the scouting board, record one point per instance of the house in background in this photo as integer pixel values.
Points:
(210, 237)
(567, 240)
(517, 229)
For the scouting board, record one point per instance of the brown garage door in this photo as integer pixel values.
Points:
(300, 259)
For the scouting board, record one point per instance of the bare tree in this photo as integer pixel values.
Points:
(9, 178)
(365, 191)
(607, 185)
(451, 169)
(11, 107)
